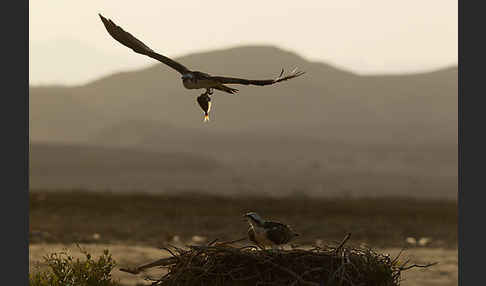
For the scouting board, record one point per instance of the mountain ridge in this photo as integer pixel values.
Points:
(404, 122)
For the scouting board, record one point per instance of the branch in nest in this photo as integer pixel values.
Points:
(417, 265)
(229, 242)
(130, 270)
(160, 262)
(346, 238)
(174, 258)
(293, 274)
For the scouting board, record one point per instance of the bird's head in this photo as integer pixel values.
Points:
(254, 218)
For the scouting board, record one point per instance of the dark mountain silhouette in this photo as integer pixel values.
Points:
(329, 130)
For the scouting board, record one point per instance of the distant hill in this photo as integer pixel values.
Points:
(384, 126)
(83, 166)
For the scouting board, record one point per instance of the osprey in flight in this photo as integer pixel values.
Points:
(268, 233)
(190, 79)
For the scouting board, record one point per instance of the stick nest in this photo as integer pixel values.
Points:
(224, 264)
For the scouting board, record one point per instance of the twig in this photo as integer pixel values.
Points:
(212, 242)
(398, 255)
(231, 241)
(160, 262)
(130, 270)
(170, 251)
(293, 274)
(312, 270)
(417, 265)
(346, 238)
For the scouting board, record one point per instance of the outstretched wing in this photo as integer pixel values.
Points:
(137, 46)
(223, 80)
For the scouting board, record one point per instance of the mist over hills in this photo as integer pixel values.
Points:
(328, 132)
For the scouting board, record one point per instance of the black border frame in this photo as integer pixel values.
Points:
(460, 202)
(15, 95)
(470, 147)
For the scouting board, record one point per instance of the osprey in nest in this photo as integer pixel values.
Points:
(268, 233)
(190, 79)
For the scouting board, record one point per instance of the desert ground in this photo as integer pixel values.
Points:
(133, 227)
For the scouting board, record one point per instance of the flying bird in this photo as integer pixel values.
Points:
(268, 233)
(190, 79)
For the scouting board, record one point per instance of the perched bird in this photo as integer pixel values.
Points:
(190, 79)
(268, 233)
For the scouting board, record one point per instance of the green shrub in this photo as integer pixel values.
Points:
(64, 270)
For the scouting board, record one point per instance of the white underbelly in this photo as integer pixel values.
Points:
(199, 84)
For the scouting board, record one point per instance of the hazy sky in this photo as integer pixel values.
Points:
(68, 43)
